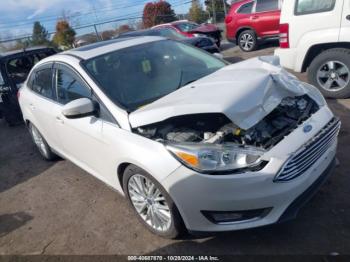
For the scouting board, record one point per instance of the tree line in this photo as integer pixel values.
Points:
(154, 13)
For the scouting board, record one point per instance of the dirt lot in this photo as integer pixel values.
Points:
(57, 208)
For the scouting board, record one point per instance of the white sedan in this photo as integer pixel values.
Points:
(193, 143)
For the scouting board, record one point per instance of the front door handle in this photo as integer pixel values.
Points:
(254, 17)
(348, 17)
(59, 119)
(32, 107)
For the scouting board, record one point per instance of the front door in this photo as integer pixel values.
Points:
(81, 139)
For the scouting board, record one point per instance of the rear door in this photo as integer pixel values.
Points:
(345, 23)
(41, 101)
(266, 16)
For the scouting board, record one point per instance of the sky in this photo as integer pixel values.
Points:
(17, 16)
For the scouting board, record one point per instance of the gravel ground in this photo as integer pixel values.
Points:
(57, 208)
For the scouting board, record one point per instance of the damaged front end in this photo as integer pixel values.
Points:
(229, 130)
(212, 143)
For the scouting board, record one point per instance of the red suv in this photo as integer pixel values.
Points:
(251, 21)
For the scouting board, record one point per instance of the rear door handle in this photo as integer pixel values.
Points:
(348, 17)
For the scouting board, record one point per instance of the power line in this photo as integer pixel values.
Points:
(130, 16)
(21, 23)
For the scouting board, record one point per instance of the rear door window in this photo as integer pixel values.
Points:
(266, 5)
(304, 7)
(246, 8)
(42, 83)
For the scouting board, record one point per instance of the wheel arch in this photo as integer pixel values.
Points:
(120, 172)
(315, 50)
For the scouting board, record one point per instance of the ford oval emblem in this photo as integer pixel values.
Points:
(307, 128)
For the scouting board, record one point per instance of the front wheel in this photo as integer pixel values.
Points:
(247, 41)
(330, 73)
(154, 207)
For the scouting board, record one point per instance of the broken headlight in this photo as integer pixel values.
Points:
(216, 158)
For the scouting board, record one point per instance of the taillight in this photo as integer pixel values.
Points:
(228, 19)
(284, 35)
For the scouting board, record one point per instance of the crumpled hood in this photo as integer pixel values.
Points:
(205, 28)
(245, 92)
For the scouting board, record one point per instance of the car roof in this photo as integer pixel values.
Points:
(100, 48)
(27, 50)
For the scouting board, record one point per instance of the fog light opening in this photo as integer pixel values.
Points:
(233, 217)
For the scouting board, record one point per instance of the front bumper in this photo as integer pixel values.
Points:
(193, 192)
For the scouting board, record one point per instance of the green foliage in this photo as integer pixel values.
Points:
(196, 13)
(218, 7)
(65, 35)
(40, 35)
(157, 13)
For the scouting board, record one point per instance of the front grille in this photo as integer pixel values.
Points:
(306, 156)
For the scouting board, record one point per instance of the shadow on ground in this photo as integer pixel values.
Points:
(19, 159)
(11, 222)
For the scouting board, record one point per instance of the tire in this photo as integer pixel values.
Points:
(173, 228)
(247, 41)
(330, 73)
(41, 144)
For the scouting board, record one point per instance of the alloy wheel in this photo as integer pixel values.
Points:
(149, 202)
(39, 141)
(247, 41)
(333, 76)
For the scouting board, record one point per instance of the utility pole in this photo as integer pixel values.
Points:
(214, 12)
(225, 10)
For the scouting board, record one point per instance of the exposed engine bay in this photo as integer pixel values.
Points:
(216, 128)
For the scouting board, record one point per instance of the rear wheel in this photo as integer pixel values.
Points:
(247, 41)
(41, 144)
(152, 204)
(330, 73)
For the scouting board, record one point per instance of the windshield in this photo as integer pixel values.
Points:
(186, 27)
(138, 75)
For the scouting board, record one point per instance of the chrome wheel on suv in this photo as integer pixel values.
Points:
(247, 40)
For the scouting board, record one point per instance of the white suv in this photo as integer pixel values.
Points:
(315, 37)
(190, 140)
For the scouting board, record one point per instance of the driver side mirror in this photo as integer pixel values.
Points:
(80, 108)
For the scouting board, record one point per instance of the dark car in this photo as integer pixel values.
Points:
(192, 29)
(14, 69)
(202, 42)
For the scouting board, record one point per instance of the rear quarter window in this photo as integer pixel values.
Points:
(246, 8)
(304, 7)
(267, 5)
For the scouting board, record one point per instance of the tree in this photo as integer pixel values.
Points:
(65, 35)
(157, 13)
(124, 28)
(196, 13)
(40, 34)
(218, 7)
